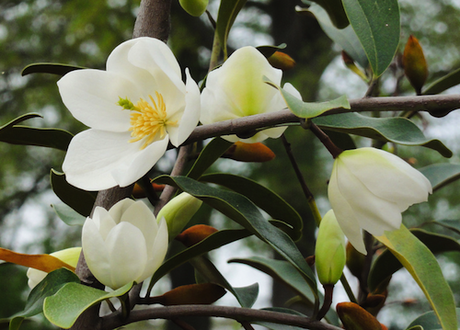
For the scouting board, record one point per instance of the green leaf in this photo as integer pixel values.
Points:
(441, 175)
(376, 23)
(346, 38)
(228, 11)
(429, 321)
(425, 270)
(309, 109)
(278, 326)
(449, 80)
(68, 214)
(64, 307)
(397, 130)
(387, 264)
(210, 153)
(53, 68)
(80, 200)
(49, 286)
(244, 212)
(263, 197)
(214, 241)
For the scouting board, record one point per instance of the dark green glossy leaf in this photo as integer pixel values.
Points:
(396, 130)
(376, 23)
(53, 68)
(346, 38)
(49, 286)
(210, 153)
(263, 197)
(452, 225)
(429, 321)
(64, 307)
(214, 241)
(68, 214)
(335, 12)
(80, 200)
(386, 264)
(228, 11)
(441, 175)
(243, 211)
(308, 110)
(420, 262)
(20, 119)
(449, 80)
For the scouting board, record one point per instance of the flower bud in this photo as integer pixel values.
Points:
(178, 212)
(69, 256)
(195, 234)
(194, 7)
(281, 61)
(330, 250)
(124, 244)
(204, 293)
(414, 62)
(250, 152)
(354, 317)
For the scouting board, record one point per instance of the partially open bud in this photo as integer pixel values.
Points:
(354, 317)
(194, 7)
(281, 61)
(330, 254)
(178, 212)
(414, 62)
(195, 234)
(204, 293)
(250, 152)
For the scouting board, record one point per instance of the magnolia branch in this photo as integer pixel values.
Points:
(236, 313)
(436, 105)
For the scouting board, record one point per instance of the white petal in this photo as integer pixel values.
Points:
(158, 251)
(345, 215)
(140, 216)
(117, 210)
(92, 97)
(127, 254)
(94, 155)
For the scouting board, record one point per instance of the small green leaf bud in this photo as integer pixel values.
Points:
(330, 253)
(178, 212)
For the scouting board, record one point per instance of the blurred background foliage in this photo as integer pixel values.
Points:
(84, 33)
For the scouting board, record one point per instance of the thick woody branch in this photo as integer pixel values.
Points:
(236, 313)
(153, 19)
(436, 105)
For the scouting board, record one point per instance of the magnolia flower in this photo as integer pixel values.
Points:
(134, 109)
(69, 256)
(124, 244)
(237, 89)
(369, 188)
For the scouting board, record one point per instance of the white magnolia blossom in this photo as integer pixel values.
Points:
(134, 109)
(237, 89)
(69, 256)
(369, 188)
(124, 244)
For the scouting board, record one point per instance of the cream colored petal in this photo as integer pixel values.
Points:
(117, 210)
(158, 252)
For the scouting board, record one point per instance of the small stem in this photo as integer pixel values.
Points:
(308, 194)
(325, 140)
(214, 53)
(348, 290)
(328, 293)
(369, 243)
(246, 325)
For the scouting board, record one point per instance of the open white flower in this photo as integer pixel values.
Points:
(369, 188)
(124, 244)
(237, 89)
(133, 109)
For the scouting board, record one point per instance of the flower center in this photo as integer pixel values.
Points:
(147, 122)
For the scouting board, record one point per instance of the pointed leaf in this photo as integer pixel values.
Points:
(449, 80)
(44, 262)
(210, 153)
(376, 23)
(80, 200)
(263, 197)
(20, 119)
(441, 175)
(68, 214)
(425, 270)
(228, 11)
(396, 130)
(53, 68)
(244, 212)
(309, 109)
(64, 307)
(41, 137)
(429, 321)
(346, 38)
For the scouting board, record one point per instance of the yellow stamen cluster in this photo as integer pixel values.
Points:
(148, 122)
